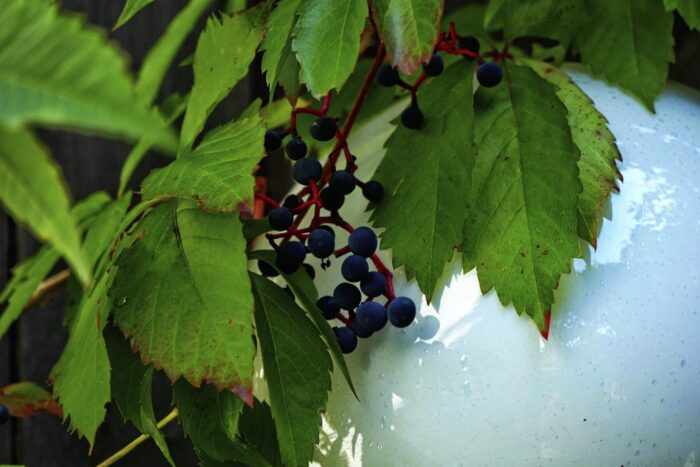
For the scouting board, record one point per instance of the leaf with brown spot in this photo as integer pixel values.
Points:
(24, 399)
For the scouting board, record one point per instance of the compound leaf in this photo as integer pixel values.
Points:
(555, 19)
(183, 297)
(278, 43)
(642, 33)
(408, 29)
(130, 9)
(521, 234)
(218, 173)
(327, 42)
(297, 368)
(55, 71)
(429, 170)
(224, 51)
(33, 191)
(599, 153)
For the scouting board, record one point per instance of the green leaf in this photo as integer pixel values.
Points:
(160, 56)
(224, 51)
(218, 173)
(327, 42)
(599, 153)
(435, 180)
(256, 429)
(27, 275)
(131, 388)
(130, 9)
(305, 291)
(209, 417)
(24, 399)
(82, 375)
(171, 110)
(688, 9)
(554, 19)
(278, 41)
(408, 29)
(184, 297)
(297, 368)
(641, 32)
(522, 231)
(101, 233)
(55, 71)
(33, 191)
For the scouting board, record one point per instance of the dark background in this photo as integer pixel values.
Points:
(33, 345)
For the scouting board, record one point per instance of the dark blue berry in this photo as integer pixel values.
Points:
(470, 43)
(434, 66)
(361, 330)
(373, 191)
(347, 296)
(331, 199)
(328, 306)
(292, 201)
(363, 242)
(267, 269)
(401, 312)
(374, 284)
(273, 140)
(412, 117)
(327, 228)
(342, 181)
(346, 339)
(280, 218)
(387, 76)
(489, 74)
(296, 148)
(321, 243)
(310, 270)
(354, 268)
(4, 414)
(323, 129)
(307, 169)
(372, 316)
(290, 256)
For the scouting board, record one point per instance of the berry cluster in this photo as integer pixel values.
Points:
(488, 74)
(325, 189)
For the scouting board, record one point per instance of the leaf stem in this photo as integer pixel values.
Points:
(136, 442)
(47, 286)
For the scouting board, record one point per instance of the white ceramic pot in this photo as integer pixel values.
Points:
(618, 382)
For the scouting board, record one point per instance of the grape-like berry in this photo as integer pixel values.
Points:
(347, 296)
(434, 66)
(387, 76)
(296, 148)
(290, 256)
(470, 43)
(489, 74)
(307, 169)
(346, 339)
(273, 140)
(401, 312)
(372, 316)
(374, 284)
(323, 129)
(331, 199)
(354, 268)
(267, 269)
(342, 181)
(321, 243)
(292, 201)
(412, 117)
(363, 242)
(310, 270)
(373, 191)
(361, 330)
(328, 306)
(280, 218)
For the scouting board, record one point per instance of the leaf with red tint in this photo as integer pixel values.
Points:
(408, 29)
(26, 398)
